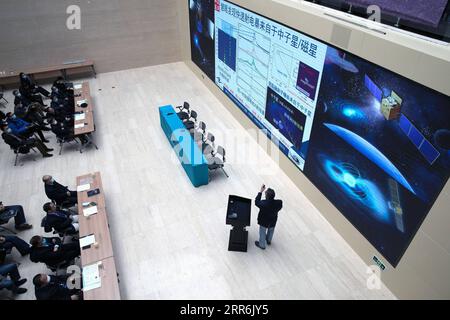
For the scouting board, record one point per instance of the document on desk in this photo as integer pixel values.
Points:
(90, 211)
(87, 241)
(80, 116)
(77, 86)
(80, 125)
(83, 187)
(91, 277)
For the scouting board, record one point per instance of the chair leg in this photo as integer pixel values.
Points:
(15, 162)
(225, 172)
(60, 147)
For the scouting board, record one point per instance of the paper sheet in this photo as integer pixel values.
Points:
(80, 116)
(77, 86)
(90, 211)
(91, 277)
(80, 125)
(87, 241)
(83, 187)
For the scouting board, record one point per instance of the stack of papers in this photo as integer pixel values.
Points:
(90, 211)
(80, 125)
(87, 241)
(91, 277)
(83, 187)
(77, 86)
(80, 116)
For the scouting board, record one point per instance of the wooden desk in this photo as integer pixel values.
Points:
(84, 94)
(13, 76)
(110, 286)
(97, 225)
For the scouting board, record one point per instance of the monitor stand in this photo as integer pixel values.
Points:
(238, 239)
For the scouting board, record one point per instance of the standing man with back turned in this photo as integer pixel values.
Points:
(267, 217)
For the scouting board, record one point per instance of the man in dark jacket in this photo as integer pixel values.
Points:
(48, 287)
(23, 144)
(58, 193)
(60, 220)
(267, 217)
(51, 251)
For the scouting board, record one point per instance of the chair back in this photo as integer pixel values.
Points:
(202, 126)
(194, 115)
(211, 137)
(221, 151)
(208, 150)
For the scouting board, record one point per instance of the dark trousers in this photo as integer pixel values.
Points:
(16, 242)
(71, 250)
(11, 271)
(73, 198)
(20, 215)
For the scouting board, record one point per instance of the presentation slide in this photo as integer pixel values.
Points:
(376, 144)
(270, 71)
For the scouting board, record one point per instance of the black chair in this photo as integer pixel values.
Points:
(185, 107)
(2, 97)
(215, 162)
(192, 121)
(64, 140)
(210, 139)
(18, 148)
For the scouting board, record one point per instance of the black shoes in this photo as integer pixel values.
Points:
(257, 244)
(24, 226)
(49, 149)
(21, 282)
(47, 155)
(20, 291)
(45, 141)
(268, 242)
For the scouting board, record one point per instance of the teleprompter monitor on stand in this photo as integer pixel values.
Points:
(238, 216)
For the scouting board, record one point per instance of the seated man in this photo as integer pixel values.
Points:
(9, 242)
(27, 82)
(51, 251)
(14, 282)
(32, 113)
(22, 128)
(64, 86)
(7, 212)
(48, 287)
(26, 144)
(58, 193)
(65, 131)
(60, 220)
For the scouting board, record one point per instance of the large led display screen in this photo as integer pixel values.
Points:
(376, 144)
(201, 24)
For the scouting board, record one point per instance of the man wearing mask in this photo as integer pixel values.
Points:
(22, 128)
(16, 142)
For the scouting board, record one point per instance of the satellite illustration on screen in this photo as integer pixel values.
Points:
(376, 144)
(379, 149)
(201, 22)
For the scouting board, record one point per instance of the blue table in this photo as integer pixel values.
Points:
(186, 149)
